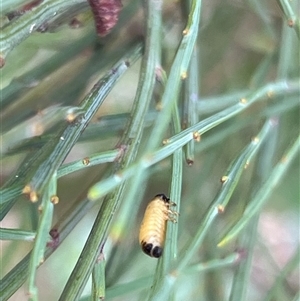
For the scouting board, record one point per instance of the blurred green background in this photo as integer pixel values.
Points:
(241, 46)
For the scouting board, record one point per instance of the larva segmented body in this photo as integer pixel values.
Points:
(153, 227)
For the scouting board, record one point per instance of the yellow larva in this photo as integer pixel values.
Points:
(153, 227)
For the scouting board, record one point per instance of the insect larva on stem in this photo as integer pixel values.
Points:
(154, 224)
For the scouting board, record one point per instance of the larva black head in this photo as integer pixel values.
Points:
(152, 251)
(162, 197)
